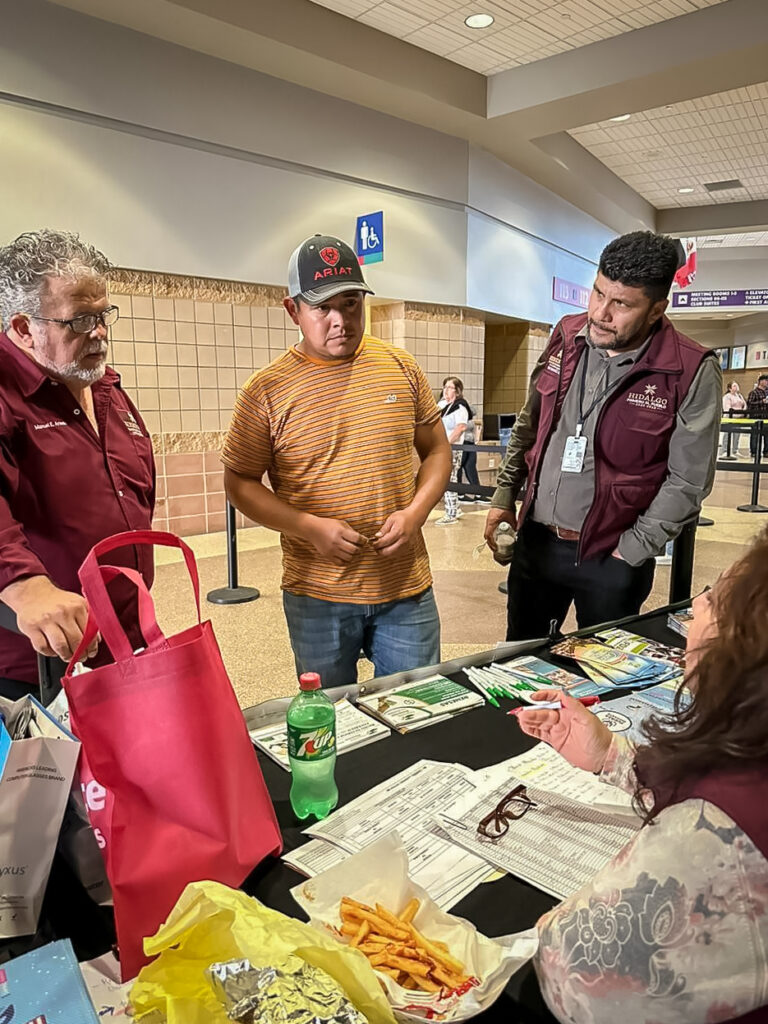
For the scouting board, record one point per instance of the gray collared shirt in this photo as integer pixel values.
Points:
(564, 498)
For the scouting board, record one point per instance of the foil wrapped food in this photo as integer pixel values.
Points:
(293, 992)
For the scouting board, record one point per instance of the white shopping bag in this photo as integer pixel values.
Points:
(36, 773)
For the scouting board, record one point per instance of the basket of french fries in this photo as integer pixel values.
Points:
(431, 964)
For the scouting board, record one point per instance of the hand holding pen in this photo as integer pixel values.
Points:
(571, 729)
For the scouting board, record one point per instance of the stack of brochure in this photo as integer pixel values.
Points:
(611, 667)
(626, 715)
(634, 644)
(534, 674)
(679, 621)
(353, 729)
(420, 703)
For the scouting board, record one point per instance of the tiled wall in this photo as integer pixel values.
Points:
(446, 341)
(511, 352)
(183, 346)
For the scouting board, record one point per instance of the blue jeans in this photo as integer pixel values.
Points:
(328, 636)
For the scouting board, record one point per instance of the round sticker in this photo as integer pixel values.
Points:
(614, 720)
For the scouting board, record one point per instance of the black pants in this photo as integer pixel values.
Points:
(14, 690)
(544, 579)
(469, 466)
(753, 441)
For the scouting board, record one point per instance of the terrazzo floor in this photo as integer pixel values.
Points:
(253, 637)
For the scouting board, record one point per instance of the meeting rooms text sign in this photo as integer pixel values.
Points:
(724, 297)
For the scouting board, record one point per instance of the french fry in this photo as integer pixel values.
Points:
(381, 926)
(409, 966)
(426, 984)
(347, 901)
(410, 911)
(393, 946)
(362, 931)
(388, 917)
(446, 978)
(442, 957)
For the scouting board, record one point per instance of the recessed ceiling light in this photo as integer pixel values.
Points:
(621, 117)
(479, 21)
(686, 191)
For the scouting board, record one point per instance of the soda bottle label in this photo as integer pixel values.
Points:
(311, 744)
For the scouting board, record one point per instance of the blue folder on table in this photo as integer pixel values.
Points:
(45, 986)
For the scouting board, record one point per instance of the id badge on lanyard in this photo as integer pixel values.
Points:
(575, 452)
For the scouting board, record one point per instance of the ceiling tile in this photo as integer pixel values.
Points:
(524, 30)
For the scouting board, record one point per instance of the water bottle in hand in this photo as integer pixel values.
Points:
(312, 750)
(504, 536)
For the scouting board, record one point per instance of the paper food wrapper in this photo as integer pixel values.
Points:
(379, 874)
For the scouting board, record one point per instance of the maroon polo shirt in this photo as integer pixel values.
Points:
(63, 487)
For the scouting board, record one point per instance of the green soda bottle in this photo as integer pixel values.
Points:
(312, 750)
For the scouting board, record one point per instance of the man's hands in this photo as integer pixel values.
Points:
(496, 516)
(51, 618)
(398, 532)
(334, 539)
(340, 543)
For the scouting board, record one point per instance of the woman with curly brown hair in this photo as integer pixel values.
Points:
(675, 929)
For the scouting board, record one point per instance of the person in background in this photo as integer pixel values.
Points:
(456, 414)
(468, 467)
(334, 423)
(674, 929)
(757, 409)
(616, 445)
(76, 461)
(733, 401)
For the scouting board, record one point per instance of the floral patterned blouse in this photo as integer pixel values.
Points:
(673, 931)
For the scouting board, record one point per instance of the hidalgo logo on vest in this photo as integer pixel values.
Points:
(648, 399)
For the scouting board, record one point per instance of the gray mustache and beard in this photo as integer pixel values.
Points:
(75, 371)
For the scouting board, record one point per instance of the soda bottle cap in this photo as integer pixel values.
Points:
(309, 681)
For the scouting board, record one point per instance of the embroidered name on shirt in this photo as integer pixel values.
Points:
(49, 424)
(647, 399)
(553, 365)
(131, 425)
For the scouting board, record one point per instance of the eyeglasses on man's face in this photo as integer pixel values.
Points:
(86, 322)
(514, 805)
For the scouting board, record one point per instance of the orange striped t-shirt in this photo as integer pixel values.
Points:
(336, 440)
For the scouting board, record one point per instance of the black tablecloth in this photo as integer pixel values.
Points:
(478, 739)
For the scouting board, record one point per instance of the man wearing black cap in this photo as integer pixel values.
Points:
(333, 423)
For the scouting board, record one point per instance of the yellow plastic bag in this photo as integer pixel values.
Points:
(211, 923)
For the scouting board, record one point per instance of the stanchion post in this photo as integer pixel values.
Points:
(232, 593)
(754, 504)
(681, 571)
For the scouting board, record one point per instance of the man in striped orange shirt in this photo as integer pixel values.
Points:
(334, 423)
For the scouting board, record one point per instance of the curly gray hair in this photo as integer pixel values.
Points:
(36, 255)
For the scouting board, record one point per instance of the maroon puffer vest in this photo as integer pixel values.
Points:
(633, 427)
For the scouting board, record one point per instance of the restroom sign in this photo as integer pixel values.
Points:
(369, 238)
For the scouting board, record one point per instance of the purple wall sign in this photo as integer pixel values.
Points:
(573, 294)
(726, 297)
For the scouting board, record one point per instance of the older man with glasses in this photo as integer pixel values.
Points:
(76, 461)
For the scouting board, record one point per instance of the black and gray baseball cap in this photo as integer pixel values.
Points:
(324, 266)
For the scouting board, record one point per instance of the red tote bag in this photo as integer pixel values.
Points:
(164, 736)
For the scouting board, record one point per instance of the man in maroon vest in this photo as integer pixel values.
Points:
(617, 442)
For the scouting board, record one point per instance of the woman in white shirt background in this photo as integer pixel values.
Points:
(456, 415)
(733, 401)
